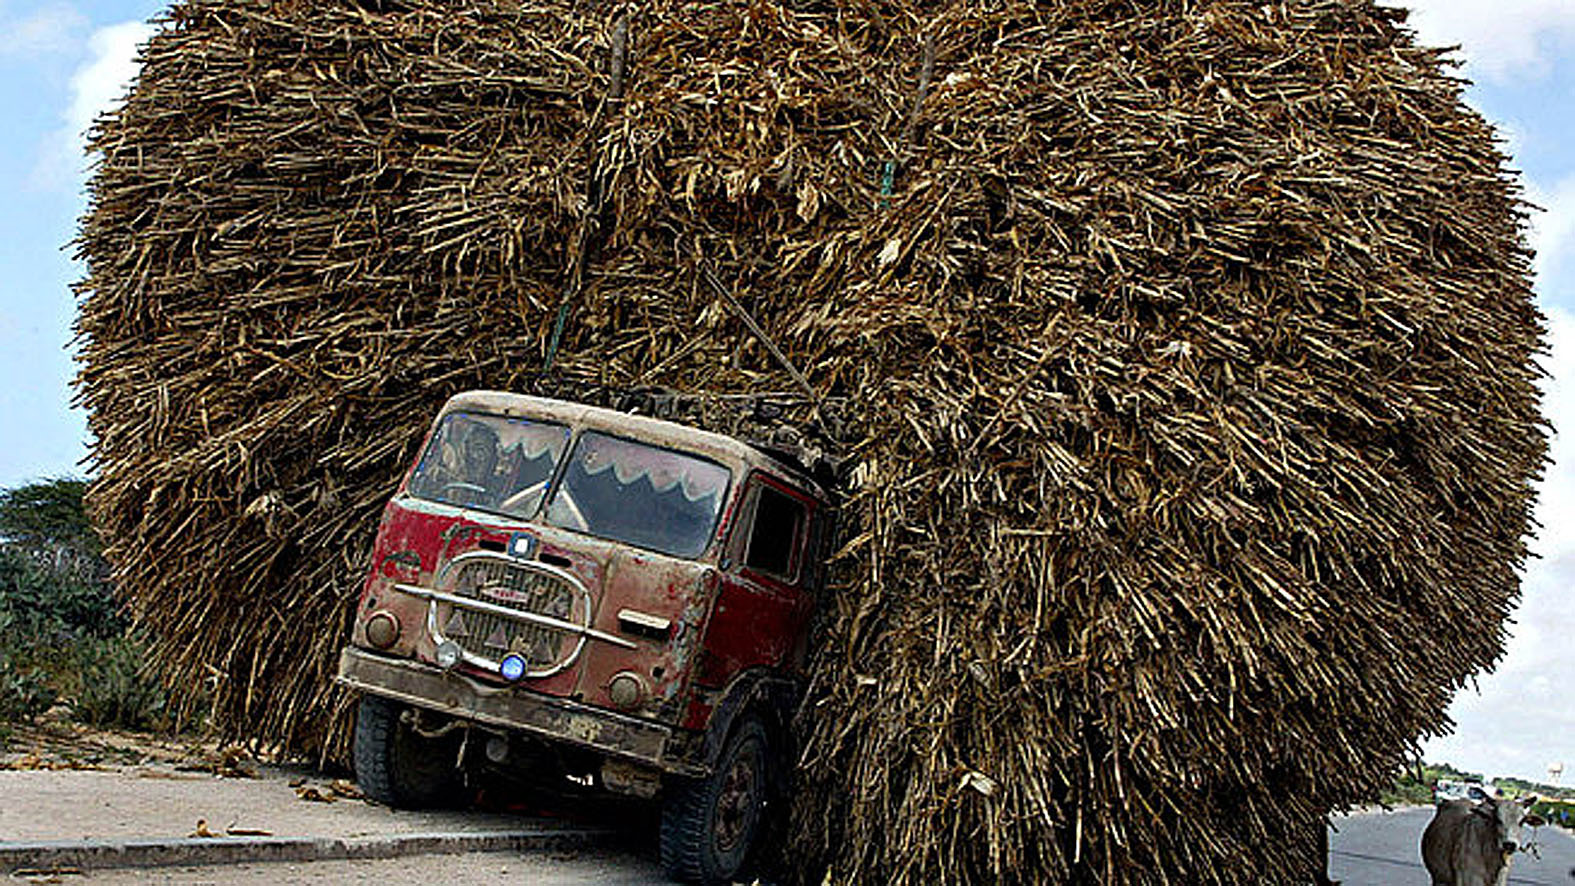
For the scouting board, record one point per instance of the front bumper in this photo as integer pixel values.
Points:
(556, 719)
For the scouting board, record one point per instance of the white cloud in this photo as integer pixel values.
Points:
(1501, 37)
(51, 29)
(97, 86)
(1555, 541)
(101, 83)
(1553, 236)
(1521, 719)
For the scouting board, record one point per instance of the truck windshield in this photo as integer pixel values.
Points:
(490, 463)
(642, 495)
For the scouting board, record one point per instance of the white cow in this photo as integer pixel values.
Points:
(1471, 843)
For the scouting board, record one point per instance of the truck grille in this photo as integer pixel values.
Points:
(523, 586)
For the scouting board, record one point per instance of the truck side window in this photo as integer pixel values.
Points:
(779, 523)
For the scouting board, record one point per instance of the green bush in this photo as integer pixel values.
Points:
(61, 632)
(53, 578)
(24, 691)
(1408, 790)
(1414, 785)
(45, 608)
(1561, 814)
(24, 687)
(111, 687)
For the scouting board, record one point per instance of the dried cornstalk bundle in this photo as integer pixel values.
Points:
(1188, 349)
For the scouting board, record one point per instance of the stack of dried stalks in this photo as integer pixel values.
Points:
(1191, 346)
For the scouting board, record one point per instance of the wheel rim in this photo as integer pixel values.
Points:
(736, 801)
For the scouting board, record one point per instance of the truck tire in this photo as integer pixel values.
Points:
(397, 767)
(709, 825)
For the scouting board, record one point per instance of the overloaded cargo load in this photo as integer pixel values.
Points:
(1180, 356)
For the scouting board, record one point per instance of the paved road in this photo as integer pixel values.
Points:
(1384, 849)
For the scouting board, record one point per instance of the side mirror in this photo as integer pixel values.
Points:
(1478, 794)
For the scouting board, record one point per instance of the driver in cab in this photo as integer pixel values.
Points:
(469, 471)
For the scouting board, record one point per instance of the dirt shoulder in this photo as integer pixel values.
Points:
(64, 782)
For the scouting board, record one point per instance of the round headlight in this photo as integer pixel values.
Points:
(626, 690)
(448, 654)
(512, 667)
(382, 629)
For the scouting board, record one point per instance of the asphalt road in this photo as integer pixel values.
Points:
(1384, 849)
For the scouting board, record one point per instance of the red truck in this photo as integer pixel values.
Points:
(578, 593)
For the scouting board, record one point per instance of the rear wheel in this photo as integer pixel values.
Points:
(396, 766)
(710, 825)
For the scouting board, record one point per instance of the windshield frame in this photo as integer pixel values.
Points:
(724, 492)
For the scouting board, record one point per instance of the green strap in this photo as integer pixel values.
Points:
(888, 174)
(557, 333)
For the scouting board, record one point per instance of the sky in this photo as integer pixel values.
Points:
(61, 62)
(64, 61)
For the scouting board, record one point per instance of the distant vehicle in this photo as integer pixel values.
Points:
(617, 601)
(1448, 789)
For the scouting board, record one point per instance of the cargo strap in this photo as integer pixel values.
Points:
(888, 175)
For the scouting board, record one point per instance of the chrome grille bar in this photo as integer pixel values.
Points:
(545, 621)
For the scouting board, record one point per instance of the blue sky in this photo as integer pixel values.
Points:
(62, 61)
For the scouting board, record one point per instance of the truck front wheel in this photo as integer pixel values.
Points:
(396, 766)
(710, 825)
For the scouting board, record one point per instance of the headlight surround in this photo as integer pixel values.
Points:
(448, 654)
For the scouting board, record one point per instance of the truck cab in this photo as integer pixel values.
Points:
(623, 601)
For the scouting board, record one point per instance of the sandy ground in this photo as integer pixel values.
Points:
(67, 783)
(60, 782)
(589, 869)
(152, 802)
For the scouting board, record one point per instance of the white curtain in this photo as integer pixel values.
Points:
(631, 461)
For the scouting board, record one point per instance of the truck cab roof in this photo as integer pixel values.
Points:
(655, 431)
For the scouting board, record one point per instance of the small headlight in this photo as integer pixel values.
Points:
(512, 667)
(448, 654)
(626, 690)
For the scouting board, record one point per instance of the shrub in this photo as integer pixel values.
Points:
(45, 609)
(1561, 814)
(61, 632)
(24, 690)
(1409, 790)
(112, 688)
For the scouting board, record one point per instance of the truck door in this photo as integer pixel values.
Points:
(764, 605)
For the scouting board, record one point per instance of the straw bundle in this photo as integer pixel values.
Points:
(1188, 347)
